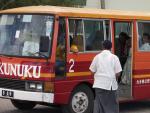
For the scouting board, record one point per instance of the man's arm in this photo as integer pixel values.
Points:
(92, 73)
(118, 68)
(118, 75)
(92, 67)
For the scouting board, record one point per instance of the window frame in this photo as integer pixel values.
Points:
(84, 42)
(69, 32)
(137, 23)
(52, 38)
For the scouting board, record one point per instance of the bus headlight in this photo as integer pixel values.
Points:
(34, 86)
(39, 87)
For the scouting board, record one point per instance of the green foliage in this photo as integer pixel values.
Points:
(5, 4)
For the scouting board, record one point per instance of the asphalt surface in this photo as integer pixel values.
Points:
(130, 107)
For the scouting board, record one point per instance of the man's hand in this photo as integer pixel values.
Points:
(118, 75)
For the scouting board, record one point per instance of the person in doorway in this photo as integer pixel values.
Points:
(106, 68)
(122, 50)
(123, 37)
(126, 74)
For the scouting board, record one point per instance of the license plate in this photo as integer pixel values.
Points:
(6, 93)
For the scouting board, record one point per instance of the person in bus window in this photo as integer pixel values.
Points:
(31, 45)
(106, 68)
(145, 42)
(74, 44)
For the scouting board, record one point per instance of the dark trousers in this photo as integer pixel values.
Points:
(105, 101)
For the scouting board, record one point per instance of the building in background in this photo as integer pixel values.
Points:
(93, 3)
(129, 5)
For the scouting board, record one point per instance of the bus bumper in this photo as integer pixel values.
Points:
(27, 95)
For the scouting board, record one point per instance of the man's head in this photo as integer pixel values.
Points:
(107, 45)
(146, 38)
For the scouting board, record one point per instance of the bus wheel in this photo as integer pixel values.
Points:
(81, 101)
(23, 105)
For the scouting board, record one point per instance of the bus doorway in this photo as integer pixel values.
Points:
(60, 65)
(122, 48)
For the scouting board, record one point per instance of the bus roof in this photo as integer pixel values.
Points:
(79, 12)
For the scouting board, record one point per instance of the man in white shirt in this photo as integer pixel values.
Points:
(106, 69)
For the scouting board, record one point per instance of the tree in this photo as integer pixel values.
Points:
(5, 4)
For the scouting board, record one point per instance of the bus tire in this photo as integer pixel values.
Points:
(81, 101)
(23, 105)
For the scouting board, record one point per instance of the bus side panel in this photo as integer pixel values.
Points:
(141, 76)
(141, 70)
(64, 87)
(77, 72)
(141, 92)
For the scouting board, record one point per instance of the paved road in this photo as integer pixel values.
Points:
(132, 107)
(7, 107)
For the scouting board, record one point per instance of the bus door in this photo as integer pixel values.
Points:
(60, 64)
(123, 36)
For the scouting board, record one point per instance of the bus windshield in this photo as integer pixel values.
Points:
(26, 35)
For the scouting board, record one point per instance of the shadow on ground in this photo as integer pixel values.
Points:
(128, 107)
(38, 109)
(135, 107)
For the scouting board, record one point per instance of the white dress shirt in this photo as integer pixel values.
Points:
(105, 65)
(145, 47)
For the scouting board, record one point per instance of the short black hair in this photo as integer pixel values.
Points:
(146, 34)
(125, 35)
(107, 45)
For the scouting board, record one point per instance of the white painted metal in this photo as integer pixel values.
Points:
(93, 3)
(129, 5)
(30, 96)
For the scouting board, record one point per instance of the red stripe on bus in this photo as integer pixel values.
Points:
(141, 71)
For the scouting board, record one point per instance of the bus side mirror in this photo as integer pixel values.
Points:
(74, 49)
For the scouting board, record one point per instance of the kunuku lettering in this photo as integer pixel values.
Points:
(20, 70)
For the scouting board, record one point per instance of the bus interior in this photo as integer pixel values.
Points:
(123, 49)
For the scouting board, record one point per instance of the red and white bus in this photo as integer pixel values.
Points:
(46, 51)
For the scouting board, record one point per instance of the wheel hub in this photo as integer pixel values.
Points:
(80, 102)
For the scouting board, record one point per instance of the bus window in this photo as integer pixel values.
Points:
(94, 34)
(20, 35)
(87, 34)
(61, 49)
(76, 33)
(144, 36)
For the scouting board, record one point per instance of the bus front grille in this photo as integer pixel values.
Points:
(12, 84)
